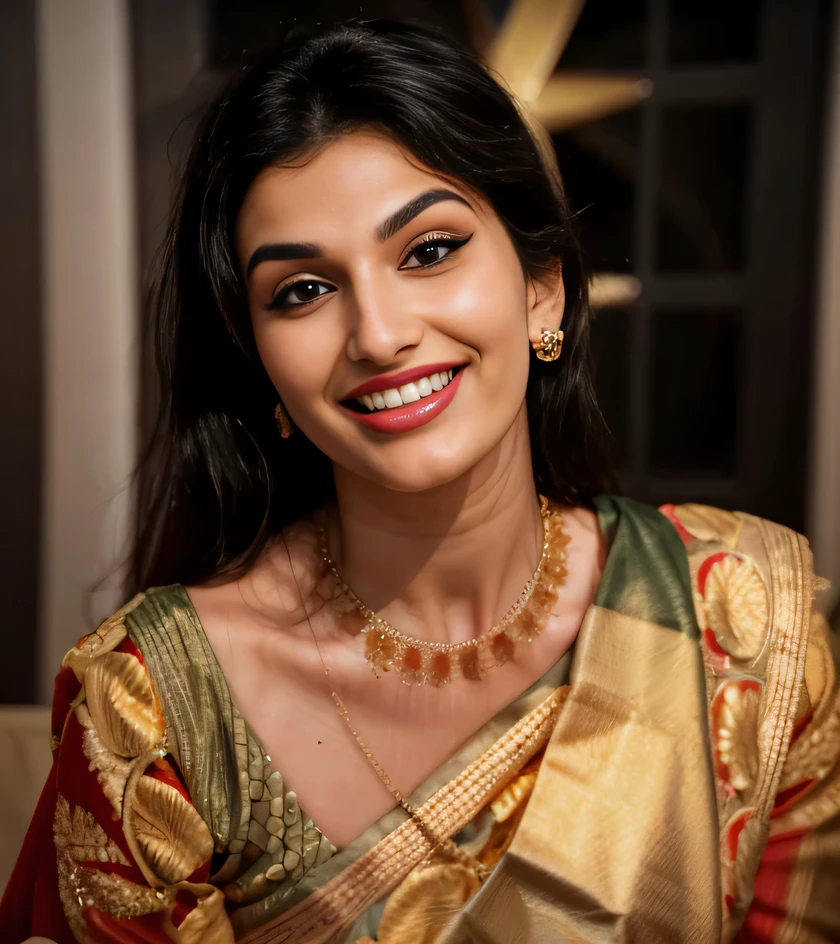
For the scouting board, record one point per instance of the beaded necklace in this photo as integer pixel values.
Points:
(420, 662)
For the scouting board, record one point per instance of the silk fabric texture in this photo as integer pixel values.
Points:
(673, 778)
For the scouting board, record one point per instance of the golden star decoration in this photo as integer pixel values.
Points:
(524, 52)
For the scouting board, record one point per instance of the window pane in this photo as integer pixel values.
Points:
(611, 346)
(599, 164)
(608, 35)
(695, 391)
(713, 30)
(702, 188)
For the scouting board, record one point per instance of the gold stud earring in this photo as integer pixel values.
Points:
(284, 424)
(548, 348)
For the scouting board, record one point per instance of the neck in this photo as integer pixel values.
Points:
(447, 563)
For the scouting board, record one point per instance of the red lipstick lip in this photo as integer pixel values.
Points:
(389, 381)
(402, 419)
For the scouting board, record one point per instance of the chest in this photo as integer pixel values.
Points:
(410, 731)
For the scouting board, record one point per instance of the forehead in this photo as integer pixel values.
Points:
(360, 178)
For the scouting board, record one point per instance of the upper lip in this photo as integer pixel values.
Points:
(395, 381)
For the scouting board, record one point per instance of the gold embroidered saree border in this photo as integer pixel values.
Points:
(791, 574)
(761, 579)
(343, 899)
(788, 568)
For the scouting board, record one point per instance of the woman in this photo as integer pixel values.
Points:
(541, 713)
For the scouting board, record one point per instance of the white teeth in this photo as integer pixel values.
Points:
(409, 393)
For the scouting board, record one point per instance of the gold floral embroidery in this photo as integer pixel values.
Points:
(111, 771)
(753, 583)
(819, 806)
(742, 839)
(107, 637)
(79, 835)
(78, 838)
(122, 704)
(173, 839)
(735, 604)
(118, 896)
(815, 752)
(706, 523)
(734, 732)
(382, 868)
(421, 907)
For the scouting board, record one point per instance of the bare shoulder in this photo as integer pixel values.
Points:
(277, 591)
(587, 548)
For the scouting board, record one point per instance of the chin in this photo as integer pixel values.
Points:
(424, 460)
(420, 474)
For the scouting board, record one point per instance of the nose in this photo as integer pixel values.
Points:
(381, 322)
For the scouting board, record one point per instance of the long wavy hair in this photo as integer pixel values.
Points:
(217, 481)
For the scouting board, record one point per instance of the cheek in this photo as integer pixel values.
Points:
(491, 300)
(295, 356)
(490, 312)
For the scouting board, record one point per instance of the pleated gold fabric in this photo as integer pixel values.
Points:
(619, 841)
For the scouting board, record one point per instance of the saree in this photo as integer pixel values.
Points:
(674, 777)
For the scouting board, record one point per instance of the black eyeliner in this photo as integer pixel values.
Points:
(450, 242)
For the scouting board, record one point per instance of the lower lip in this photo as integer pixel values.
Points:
(401, 419)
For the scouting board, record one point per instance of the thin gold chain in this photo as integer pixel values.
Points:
(435, 842)
(475, 641)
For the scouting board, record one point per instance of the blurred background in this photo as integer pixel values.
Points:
(700, 144)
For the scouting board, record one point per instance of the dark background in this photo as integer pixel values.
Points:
(708, 192)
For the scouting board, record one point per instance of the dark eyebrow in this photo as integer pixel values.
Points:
(414, 207)
(396, 221)
(280, 251)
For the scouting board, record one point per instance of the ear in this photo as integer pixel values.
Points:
(546, 303)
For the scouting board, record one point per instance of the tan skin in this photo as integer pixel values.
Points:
(438, 529)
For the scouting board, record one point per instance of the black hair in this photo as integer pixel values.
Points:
(217, 481)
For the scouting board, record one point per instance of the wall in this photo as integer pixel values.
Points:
(89, 312)
(824, 498)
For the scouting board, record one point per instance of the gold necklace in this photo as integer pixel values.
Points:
(437, 844)
(442, 845)
(435, 663)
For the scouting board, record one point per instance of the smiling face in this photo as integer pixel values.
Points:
(369, 279)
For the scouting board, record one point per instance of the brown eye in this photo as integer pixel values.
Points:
(299, 293)
(432, 251)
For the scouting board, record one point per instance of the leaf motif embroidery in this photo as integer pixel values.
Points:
(78, 835)
(173, 837)
(111, 770)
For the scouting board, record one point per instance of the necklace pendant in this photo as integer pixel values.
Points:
(471, 665)
(441, 668)
(380, 650)
(502, 647)
(418, 662)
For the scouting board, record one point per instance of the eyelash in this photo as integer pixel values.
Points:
(453, 243)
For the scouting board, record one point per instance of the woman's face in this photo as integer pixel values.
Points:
(369, 280)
